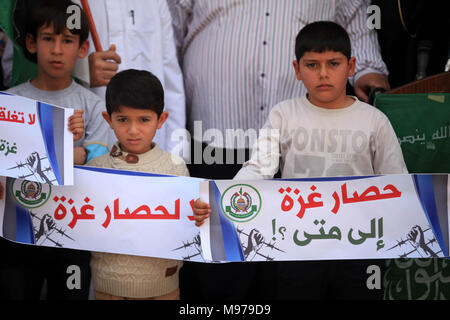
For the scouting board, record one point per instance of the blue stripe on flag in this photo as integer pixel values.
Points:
(24, 226)
(328, 178)
(425, 189)
(233, 249)
(45, 114)
(122, 172)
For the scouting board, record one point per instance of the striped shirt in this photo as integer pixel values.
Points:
(237, 54)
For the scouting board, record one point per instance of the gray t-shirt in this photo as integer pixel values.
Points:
(98, 136)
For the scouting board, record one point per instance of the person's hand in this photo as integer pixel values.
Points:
(369, 81)
(255, 242)
(79, 155)
(34, 161)
(416, 238)
(46, 227)
(103, 66)
(76, 124)
(202, 211)
(2, 191)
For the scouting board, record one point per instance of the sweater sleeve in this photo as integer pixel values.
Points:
(388, 157)
(265, 159)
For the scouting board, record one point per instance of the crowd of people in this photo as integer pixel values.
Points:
(164, 70)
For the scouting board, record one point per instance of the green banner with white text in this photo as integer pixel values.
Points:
(422, 124)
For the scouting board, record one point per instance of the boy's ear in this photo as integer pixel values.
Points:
(162, 118)
(30, 43)
(296, 66)
(107, 117)
(351, 66)
(83, 50)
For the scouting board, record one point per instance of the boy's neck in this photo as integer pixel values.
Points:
(51, 84)
(152, 146)
(344, 102)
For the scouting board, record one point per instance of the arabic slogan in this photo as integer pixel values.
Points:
(131, 217)
(377, 217)
(326, 218)
(34, 142)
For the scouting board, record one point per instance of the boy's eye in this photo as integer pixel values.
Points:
(311, 65)
(145, 119)
(68, 40)
(334, 63)
(122, 119)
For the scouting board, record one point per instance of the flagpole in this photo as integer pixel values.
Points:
(94, 34)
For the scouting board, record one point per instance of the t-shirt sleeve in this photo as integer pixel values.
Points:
(388, 156)
(265, 158)
(97, 132)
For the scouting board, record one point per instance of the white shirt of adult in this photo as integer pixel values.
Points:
(143, 34)
(237, 55)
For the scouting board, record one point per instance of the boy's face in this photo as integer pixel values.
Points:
(325, 77)
(135, 128)
(56, 53)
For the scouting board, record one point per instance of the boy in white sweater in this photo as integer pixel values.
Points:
(323, 134)
(135, 103)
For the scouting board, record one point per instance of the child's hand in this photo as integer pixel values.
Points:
(201, 212)
(1, 191)
(76, 124)
(79, 155)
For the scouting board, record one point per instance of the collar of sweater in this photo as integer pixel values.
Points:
(118, 155)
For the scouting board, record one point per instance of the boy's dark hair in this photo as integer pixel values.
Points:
(137, 89)
(48, 12)
(322, 36)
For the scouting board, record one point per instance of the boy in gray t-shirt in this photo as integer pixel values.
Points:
(97, 136)
(56, 49)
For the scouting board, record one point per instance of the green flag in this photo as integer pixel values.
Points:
(23, 69)
(422, 125)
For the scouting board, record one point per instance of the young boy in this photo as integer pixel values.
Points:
(56, 49)
(325, 133)
(135, 104)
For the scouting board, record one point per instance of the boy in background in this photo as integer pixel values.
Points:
(323, 134)
(135, 111)
(56, 50)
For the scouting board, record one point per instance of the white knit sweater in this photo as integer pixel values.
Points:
(136, 276)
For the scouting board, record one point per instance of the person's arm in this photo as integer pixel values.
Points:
(173, 82)
(388, 158)
(98, 135)
(371, 71)
(181, 12)
(265, 156)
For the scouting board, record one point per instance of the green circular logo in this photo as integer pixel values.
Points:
(241, 202)
(29, 194)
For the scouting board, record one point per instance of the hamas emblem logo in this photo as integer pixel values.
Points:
(241, 202)
(30, 194)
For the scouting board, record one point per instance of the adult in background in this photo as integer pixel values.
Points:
(236, 57)
(138, 34)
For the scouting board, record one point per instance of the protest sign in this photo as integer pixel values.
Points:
(327, 218)
(307, 219)
(122, 212)
(35, 143)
